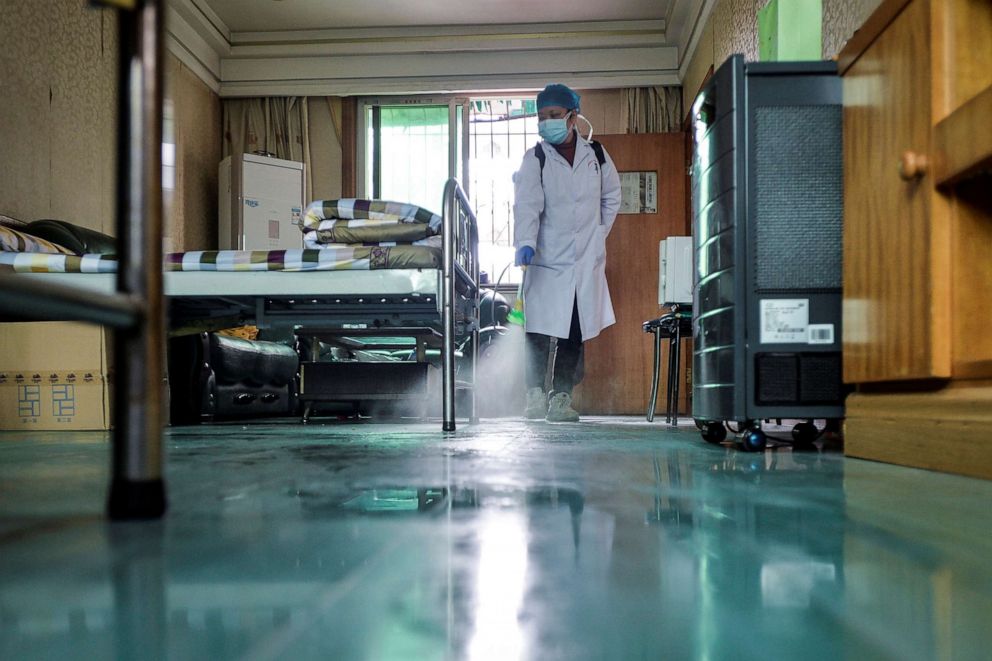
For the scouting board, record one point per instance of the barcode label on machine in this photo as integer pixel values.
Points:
(784, 320)
(821, 333)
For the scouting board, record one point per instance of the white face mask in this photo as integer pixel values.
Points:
(555, 130)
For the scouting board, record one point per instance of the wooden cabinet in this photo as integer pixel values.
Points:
(896, 280)
(918, 234)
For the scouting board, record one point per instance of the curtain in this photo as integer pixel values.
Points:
(276, 125)
(653, 109)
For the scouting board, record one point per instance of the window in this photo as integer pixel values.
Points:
(500, 133)
(408, 155)
(409, 149)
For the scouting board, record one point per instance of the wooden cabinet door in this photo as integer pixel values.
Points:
(896, 226)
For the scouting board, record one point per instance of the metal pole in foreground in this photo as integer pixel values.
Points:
(137, 490)
(447, 306)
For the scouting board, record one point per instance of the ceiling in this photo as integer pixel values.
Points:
(352, 47)
(269, 15)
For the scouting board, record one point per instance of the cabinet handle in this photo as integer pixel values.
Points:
(912, 165)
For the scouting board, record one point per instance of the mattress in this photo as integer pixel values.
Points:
(340, 258)
(194, 284)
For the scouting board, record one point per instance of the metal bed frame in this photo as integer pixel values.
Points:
(136, 311)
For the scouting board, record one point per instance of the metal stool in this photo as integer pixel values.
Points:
(672, 326)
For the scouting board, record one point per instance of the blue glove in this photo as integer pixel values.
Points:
(524, 256)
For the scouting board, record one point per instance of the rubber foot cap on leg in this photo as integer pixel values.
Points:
(136, 500)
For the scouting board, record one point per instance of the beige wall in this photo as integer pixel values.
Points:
(192, 224)
(58, 73)
(733, 28)
(324, 114)
(606, 109)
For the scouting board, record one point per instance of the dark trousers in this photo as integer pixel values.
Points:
(565, 374)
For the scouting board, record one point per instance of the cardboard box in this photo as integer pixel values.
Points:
(54, 375)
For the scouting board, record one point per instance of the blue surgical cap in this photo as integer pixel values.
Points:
(556, 94)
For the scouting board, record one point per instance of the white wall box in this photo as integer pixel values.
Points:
(675, 270)
(261, 203)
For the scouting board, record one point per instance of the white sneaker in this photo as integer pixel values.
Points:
(560, 409)
(537, 404)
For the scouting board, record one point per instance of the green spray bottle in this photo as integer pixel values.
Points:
(516, 315)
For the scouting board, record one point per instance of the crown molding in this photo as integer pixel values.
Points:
(617, 64)
(205, 21)
(198, 38)
(190, 48)
(696, 18)
(638, 31)
(427, 59)
(478, 84)
(363, 42)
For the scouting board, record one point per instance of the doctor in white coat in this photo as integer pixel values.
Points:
(562, 213)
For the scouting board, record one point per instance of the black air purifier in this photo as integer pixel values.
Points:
(767, 205)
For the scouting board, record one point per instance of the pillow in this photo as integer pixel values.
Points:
(80, 240)
(13, 241)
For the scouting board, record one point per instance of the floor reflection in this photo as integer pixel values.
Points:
(556, 542)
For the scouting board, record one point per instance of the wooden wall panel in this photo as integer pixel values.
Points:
(618, 362)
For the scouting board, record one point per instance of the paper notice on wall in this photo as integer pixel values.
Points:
(785, 321)
(638, 192)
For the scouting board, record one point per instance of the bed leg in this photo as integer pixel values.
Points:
(137, 489)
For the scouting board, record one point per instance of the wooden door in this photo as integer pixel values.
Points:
(896, 226)
(618, 365)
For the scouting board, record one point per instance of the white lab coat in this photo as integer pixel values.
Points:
(566, 222)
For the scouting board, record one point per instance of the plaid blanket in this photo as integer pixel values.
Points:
(36, 262)
(376, 210)
(351, 258)
(310, 240)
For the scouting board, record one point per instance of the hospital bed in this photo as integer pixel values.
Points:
(317, 293)
(133, 300)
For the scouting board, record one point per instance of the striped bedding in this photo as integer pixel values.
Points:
(338, 258)
(312, 240)
(368, 231)
(382, 214)
(339, 235)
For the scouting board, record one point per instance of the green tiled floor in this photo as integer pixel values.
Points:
(608, 539)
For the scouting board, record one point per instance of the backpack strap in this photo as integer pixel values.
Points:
(539, 152)
(598, 148)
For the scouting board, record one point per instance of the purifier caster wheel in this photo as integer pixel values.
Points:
(714, 432)
(804, 434)
(753, 440)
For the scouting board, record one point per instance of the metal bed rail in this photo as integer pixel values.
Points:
(136, 311)
(460, 259)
